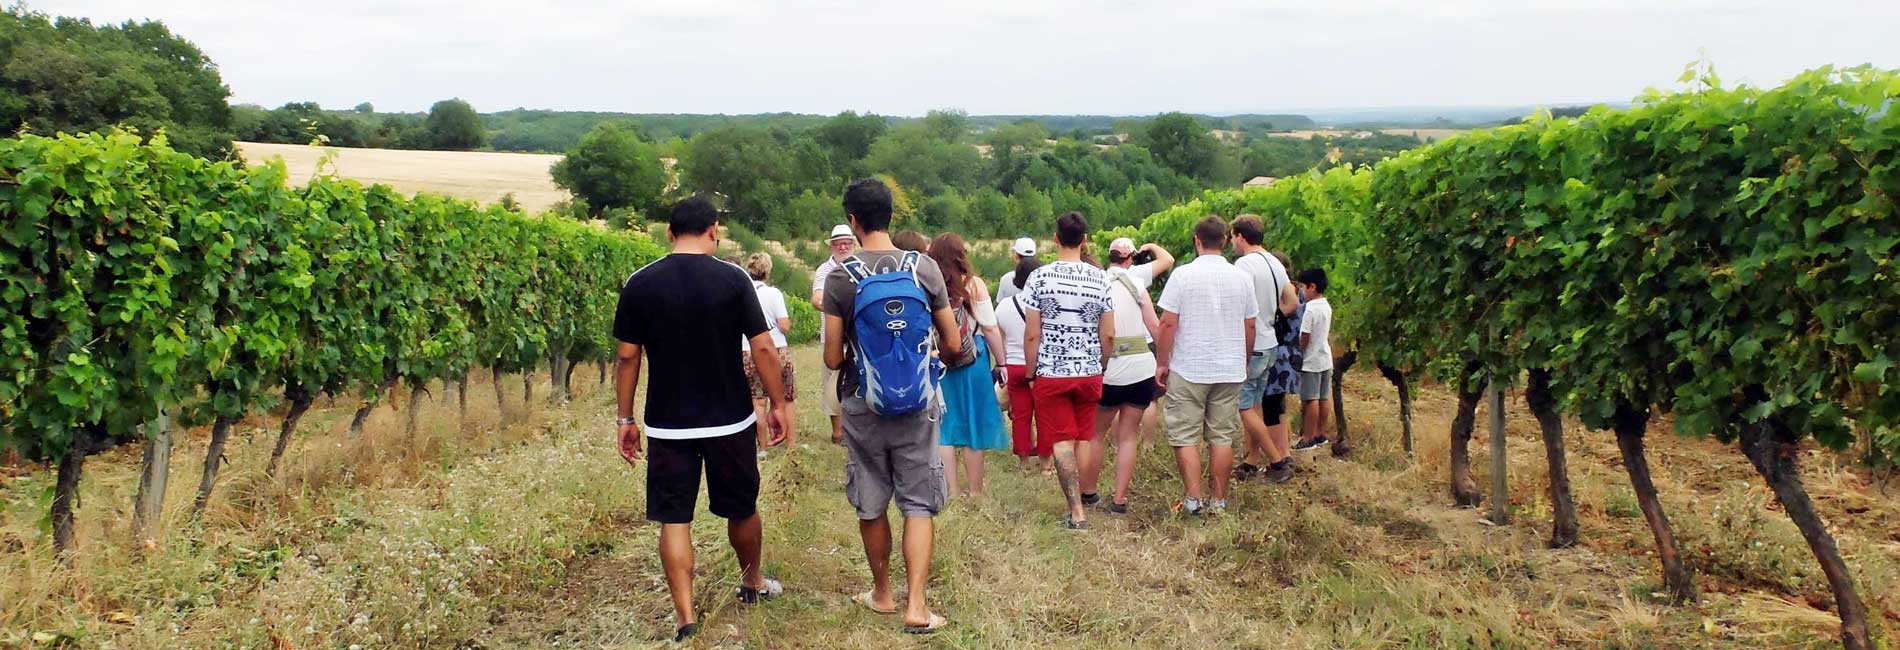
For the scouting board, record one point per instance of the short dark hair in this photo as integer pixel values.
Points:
(693, 216)
(1024, 268)
(869, 201)
(1250, 228)
(1315, 276)
(1071, 229)
(1211, 232)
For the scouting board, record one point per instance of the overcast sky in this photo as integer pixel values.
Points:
(998, 56)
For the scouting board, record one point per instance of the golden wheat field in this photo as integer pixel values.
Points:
(481, 176)
(516, 525)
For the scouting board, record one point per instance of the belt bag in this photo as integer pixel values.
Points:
(1129, 346)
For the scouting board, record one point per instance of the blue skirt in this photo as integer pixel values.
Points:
(971, 416)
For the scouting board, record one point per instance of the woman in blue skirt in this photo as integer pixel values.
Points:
(972, 419)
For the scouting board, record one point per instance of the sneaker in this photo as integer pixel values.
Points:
(1217, 507)
(1117, 508)
(1280, 474)
(1309, 445)
(1246, 471)
(761, 454)
(1072, 524)
(1090, 499)
(1189, 505)
(685, 632)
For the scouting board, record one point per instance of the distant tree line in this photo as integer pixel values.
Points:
(450, 125)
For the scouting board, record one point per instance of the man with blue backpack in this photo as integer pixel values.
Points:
(887, 320)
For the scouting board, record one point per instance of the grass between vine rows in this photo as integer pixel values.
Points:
(526, 531)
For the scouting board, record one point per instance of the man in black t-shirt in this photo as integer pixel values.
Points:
(682, 313)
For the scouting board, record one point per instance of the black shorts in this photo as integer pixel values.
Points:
(732, 476)
(1273, 408)
(1139, 395)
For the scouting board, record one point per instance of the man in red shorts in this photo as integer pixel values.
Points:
(1068, 338)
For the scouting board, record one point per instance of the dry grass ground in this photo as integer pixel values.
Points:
(526, 532)
(480, 176)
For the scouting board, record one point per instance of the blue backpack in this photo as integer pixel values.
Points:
(891, 323)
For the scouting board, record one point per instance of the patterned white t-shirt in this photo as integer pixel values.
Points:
(1073, 299)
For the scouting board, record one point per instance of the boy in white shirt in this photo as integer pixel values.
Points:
(1316, 368)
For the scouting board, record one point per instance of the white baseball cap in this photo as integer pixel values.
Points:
(1122, 245)
(1024, 246)
(842, 231)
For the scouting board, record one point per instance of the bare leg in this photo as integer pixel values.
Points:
(676, 560)
(1127, 450)
(1322, 410)
(761, 409)
(1277, 436)
(1256, 443)
(973, 471)
(1150, 420)
(1222, 468)
(1067, 476)
(877, 552)
(949, 456)
(1309, 420)
(748, 539)
(919, 536)
(1189, 460)
(1091, 453)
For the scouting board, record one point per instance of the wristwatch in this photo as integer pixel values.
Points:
(626, 421)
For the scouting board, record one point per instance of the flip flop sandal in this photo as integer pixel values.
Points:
(936, 623)
(751, 596)
(866, 599)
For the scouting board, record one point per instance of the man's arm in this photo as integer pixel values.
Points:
(1108, 337)
(771, 373)
(1164, 345)
(818, 298)
(1163, 259)
(834, 342)
(626, 384)
(1032, 341)
(1247, 352)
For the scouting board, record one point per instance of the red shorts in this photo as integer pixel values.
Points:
(1065, 407)
(1022, 415)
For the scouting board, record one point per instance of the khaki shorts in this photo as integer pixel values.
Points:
(1201, 412)
(828, 393)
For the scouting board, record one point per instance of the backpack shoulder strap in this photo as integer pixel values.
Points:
(1129, 284)
(1017, 300)
(909, 265)
(855, 268)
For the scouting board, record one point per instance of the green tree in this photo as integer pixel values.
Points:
(745, 163)
(613, 168)
(947, 125)
(454, 126)
(1182, 144)
(365, 108)
(849, 135)
(67, 75)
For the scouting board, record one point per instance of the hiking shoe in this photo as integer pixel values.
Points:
(1280, 474)
(1189, 505)
(1217, 507)
(1117, 508)
(1090, 499)
(1072, 524)
(1309, 445)
(1246, 471)
(750, 596)
(685, 632)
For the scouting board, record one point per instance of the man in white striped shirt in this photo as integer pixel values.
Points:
(1207, 330)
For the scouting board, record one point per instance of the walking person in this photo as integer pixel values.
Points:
(842, 242)
(972, 420)
(1069, 333)
(679, 316)
(778, 320)
(1128, 383)
(1207, 329)
(1013, 280)
(1316, 367)
(1270, 371)
(1012, 319)
(883, 307)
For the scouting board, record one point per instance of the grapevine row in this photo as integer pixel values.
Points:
(1725, 255)
(143, 284)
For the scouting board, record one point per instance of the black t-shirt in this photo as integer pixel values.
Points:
(686, 310)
